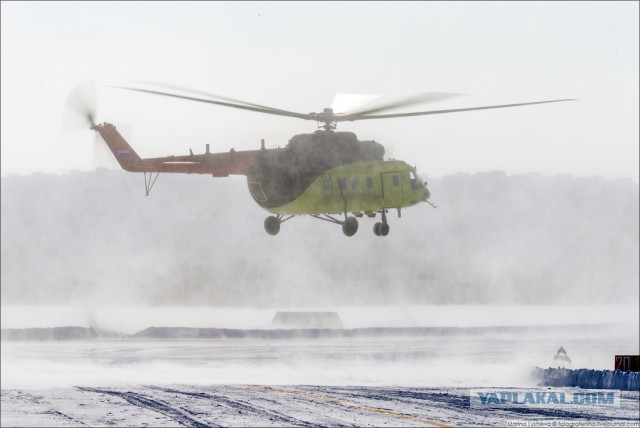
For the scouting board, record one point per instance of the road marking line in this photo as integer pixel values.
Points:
(349, 404)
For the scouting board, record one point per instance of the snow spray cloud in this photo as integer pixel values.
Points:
(93, 238)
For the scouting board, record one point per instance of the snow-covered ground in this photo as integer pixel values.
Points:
(258, 405)
(398, 366)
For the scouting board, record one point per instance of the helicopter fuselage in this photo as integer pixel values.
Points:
(334, 173)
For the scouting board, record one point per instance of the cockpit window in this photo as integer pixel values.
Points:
(415, 179)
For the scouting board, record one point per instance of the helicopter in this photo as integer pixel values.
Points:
(328, 174)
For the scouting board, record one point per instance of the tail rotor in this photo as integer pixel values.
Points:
(80, 113)
(80, 107)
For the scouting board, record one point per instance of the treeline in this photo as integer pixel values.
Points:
(95, 238)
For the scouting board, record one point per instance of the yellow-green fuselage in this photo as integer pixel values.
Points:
(359, 187)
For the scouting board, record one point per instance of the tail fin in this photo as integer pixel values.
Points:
(122, 151)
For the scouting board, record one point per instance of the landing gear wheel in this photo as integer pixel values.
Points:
(376, 229)
(384, 229)
(381, 229)
(350, 226)
(272, 225)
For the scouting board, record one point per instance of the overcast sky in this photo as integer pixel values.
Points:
(297, 56)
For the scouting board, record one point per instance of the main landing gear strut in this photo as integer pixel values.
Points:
(349, 224)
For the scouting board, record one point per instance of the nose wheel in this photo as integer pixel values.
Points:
(381, 229)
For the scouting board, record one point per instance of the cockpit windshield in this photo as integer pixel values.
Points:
(416, 181)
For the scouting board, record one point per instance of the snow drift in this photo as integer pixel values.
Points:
(590, 379)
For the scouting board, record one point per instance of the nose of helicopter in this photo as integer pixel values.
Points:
(427, 193)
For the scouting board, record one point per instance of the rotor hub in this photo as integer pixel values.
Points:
(327, 117)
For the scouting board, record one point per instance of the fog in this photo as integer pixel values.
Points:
(94, 238)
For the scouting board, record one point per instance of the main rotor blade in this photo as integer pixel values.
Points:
(425, 97)
(422, 113)
(348, 103)
(213, 96)
(207, 100)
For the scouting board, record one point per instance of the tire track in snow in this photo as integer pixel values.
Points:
(449, 400)
(435, 400)
(157, 406)
(238, 405)
(418, 401)
(345, 403)
(64, 416)
(325, 419)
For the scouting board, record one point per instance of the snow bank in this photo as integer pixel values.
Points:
(313, 333)
(79, 333)
(591, 379)
(56, 333)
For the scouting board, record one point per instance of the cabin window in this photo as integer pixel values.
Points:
(369, 182)
(354, 183)
(342, 183)
(326, 183)
(396, 180)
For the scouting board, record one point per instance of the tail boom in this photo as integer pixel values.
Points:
(216, 164)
